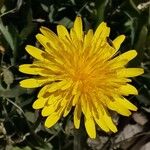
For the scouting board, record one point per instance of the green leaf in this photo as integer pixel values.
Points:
(1, 3)
(140, 44)
(51, 13)
(46, 146)
(18, 148)
(8, 37)
(147, 75)
(13, 92)
(30, 116)
(28, 28)
(11, 36)
(45, 7)
(131, 24)
(66, 22)
(8, 76)
(143, 99)
(100, 8)
(18, 5)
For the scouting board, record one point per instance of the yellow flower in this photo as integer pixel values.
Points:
(82, 71)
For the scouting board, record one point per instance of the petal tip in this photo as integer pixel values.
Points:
(28, 47)
(22, 84)
(115, 130)
(34, 105)
(142, 70)
(42, 28)
(20, 68)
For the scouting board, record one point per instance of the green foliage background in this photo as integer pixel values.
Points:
(21, 127)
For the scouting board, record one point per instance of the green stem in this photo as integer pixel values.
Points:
(79, 137)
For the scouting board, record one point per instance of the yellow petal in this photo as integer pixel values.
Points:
(89, 122)
(43, 40)
(126, 103)
(67, 85)
(64, 100)
(54, 100)
(54, 68)
(43, 90)
(52, 105)
(38, 70)
(118, 64)
(77, 116)
(59, 85)
(32, 83)
(75, 88)
(90, 127)
(116, 106)
(104, 120)
(73, 36)
(68, 108)
(128, 89)
(53, 87)
(88, 38)
(109, 122)
(48, 110)
(54, 117)
(101, 44)
(62, 32)
(51, 36)
(78, 28)
(118, 41)
(130, 72)
(39, 103)
(51, 120)
(29, 69)
(35, 52)
(123, 59)
(76, 98)
(129, 55)
(100, 120)
(98, 32)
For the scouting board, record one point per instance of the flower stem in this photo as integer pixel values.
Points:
(79, 138)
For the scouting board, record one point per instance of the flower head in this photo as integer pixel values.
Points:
(81, 71)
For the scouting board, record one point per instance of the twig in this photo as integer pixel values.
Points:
(19, 3)
(14, 104)
(143, 6)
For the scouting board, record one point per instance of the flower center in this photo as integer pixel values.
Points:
(80, 72)
(82, 75)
